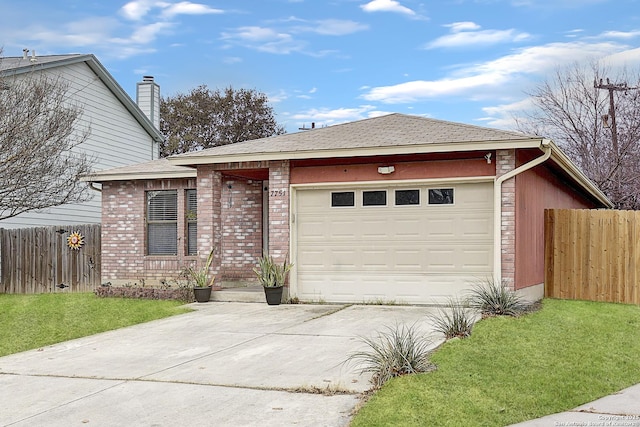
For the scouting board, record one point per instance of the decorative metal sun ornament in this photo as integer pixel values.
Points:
(75, 240)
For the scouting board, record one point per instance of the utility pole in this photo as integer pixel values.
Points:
(613, 87)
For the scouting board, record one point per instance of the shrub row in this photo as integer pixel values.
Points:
(180, 294)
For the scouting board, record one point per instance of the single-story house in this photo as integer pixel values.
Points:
(393, 208)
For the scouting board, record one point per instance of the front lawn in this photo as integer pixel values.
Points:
(33, 321)
(515, 369)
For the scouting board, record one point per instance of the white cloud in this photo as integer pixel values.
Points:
(188, 8)
(137, 9)
(499, 75)
(463, 26)
(465, 34)
(338, 27)
(624, 35)
(387, 6)
(327, 117)
(264, 39)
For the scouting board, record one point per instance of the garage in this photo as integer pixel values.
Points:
(416, 243)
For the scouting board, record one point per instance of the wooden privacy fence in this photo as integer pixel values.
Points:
(592, 255)
(38, 260)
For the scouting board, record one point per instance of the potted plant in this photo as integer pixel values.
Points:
(272, 277)
(199, 278)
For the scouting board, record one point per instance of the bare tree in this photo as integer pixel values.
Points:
(574, 109)
(204, 118)
(39, 128)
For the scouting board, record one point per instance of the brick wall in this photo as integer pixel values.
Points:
(506, 162)
(279, 173)
(241, 228)
(123, 233)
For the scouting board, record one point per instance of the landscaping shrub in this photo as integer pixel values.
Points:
(496, 299)
(398, 351)
(454, 319)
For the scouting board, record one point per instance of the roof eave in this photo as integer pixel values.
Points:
(95, 65)
(578, 176)
(354, 152)
(138, 176)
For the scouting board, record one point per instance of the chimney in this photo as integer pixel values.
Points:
(148, 99)
(25, 52)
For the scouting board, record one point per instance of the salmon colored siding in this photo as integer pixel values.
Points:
(403, 170)
(536, 190)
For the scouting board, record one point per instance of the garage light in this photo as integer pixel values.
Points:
(386, 170)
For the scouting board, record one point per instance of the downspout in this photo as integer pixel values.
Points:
(545, 146)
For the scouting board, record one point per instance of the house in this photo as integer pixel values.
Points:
(393, 208)
(122, 132)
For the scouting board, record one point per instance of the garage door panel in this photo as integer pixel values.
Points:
(412, 254)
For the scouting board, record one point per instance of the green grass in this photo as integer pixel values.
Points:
(33, 321)
(515, 369)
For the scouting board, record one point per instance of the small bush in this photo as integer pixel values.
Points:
(454, 319)
(496, 299)
(397, 351)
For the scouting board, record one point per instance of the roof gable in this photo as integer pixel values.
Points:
(10, 66)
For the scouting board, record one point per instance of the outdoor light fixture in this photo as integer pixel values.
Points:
(386, 170)
(488, 158)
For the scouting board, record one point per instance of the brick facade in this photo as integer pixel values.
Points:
(123, 233)
(230, 222)
(506, 162)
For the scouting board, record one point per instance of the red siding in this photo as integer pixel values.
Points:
(536, 190)
(403, 170)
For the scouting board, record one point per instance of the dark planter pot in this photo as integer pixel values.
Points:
(202, 294)
(273, 295)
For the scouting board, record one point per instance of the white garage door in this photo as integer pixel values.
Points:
(414, 244)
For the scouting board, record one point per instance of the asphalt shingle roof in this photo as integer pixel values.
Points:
(393, 130)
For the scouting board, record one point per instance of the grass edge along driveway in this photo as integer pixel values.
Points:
(515, 369)
(33, 321)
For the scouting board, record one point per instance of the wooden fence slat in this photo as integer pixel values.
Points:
(36, 260)
(592, 255)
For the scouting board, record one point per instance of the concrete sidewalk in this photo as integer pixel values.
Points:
(619, 409)
(226, 364)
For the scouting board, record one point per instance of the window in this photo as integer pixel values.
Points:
(191, 219)
(342, 199)
(374, 198)
(441, 196)
(407, 197)
(162, 222)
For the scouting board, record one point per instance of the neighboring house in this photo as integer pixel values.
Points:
(122, 133)
(394, 208)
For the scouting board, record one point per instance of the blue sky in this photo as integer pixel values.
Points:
(329, 62)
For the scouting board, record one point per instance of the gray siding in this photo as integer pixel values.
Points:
(117, 139)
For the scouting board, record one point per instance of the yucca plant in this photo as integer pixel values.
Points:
(454, 319)
(199, 277)
(270, 273)
(495, 299)
(399, 350)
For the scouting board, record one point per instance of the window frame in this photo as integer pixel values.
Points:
(453, 196)
(386, 198)
(395, 197)
(151, 223)
(190, 220)
(353, 194)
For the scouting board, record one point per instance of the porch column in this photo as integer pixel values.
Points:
(506, 162)
(279, 209)
(209, 215)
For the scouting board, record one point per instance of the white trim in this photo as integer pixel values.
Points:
(98, 177)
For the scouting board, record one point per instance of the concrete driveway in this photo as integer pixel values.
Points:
(225, 364)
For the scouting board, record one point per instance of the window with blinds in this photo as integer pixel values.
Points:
(191, 219)
(162, 222)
